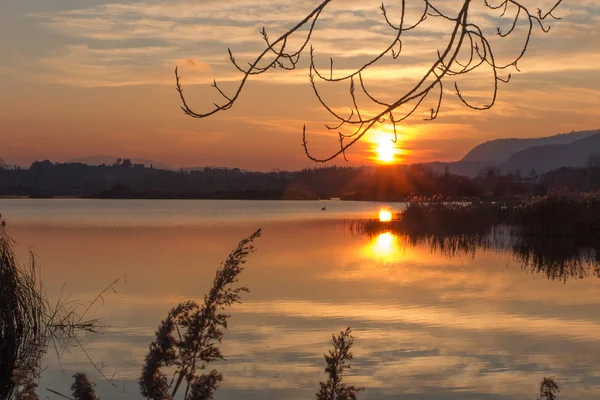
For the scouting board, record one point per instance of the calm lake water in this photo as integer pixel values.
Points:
(427, 326)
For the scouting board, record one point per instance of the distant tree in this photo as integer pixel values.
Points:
(468, 48)
(3, 165)
(593, 166)
(82, 388)
(593, 161)
(489, 172)
(118, 163)
(127, 163)
(533, 173)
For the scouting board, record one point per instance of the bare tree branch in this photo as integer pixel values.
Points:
(466, 37)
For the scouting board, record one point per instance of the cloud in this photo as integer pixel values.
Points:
(351, 33)
(121, 44)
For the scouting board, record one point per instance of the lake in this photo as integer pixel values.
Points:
(428, 325)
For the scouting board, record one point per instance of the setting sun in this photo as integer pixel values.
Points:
(385, 151)
(384, 147)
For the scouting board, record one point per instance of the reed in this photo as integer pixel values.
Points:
(30, 322)
(337, 362)
(23, 336)
(187, 341)
(559, 213)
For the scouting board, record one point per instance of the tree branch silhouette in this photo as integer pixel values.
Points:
(467, 38)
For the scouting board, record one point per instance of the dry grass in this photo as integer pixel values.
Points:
(337, 362)
(29, 323)
(188, 339)
(559, 213)
(23, 336)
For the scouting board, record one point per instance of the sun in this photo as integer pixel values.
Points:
(385, 151)
(385, 147)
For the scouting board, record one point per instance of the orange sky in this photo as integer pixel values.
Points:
(90, 77)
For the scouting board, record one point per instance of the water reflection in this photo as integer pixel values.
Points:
(383, 248)
(446, 317)
(558, 257)
(385, 215)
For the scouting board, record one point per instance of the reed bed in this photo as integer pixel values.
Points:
(23, 337)
(559, 213)
(30, 323)
(557, 234)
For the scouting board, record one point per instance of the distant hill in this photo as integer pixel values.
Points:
(109, 160)
(499, 150)
(542, 154)
(549, 157)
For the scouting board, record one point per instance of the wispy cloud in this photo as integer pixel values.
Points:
(119, 44)
(350, 33)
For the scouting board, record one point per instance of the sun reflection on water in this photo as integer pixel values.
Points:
(385, 215)
(384, 248)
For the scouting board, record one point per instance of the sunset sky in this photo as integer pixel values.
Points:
(88, 77)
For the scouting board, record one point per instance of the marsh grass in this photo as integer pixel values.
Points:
(557, 235)
(30, 323)
(559, 213)
(23, 336)
(441, 217)
(337, 362)
(187, 341)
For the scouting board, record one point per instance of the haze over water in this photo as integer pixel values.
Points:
(427, 326)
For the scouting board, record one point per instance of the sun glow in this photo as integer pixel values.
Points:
(383, 249)
(385, 215)
(385, 149)
(385, 242)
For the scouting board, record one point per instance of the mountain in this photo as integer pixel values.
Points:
(109, 160)
(553, 156)
(499, 150)
(542, 154)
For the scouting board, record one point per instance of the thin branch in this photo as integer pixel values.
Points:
(466, 40)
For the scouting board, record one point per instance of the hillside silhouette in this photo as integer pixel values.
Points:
(500, 150)
(548, 157)
(524, 155)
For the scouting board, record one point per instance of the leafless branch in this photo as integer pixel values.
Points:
(466, 37)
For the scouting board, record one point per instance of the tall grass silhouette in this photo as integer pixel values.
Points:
(188, 339)
(30, 323)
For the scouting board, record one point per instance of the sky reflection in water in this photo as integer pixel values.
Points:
(427, 325)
